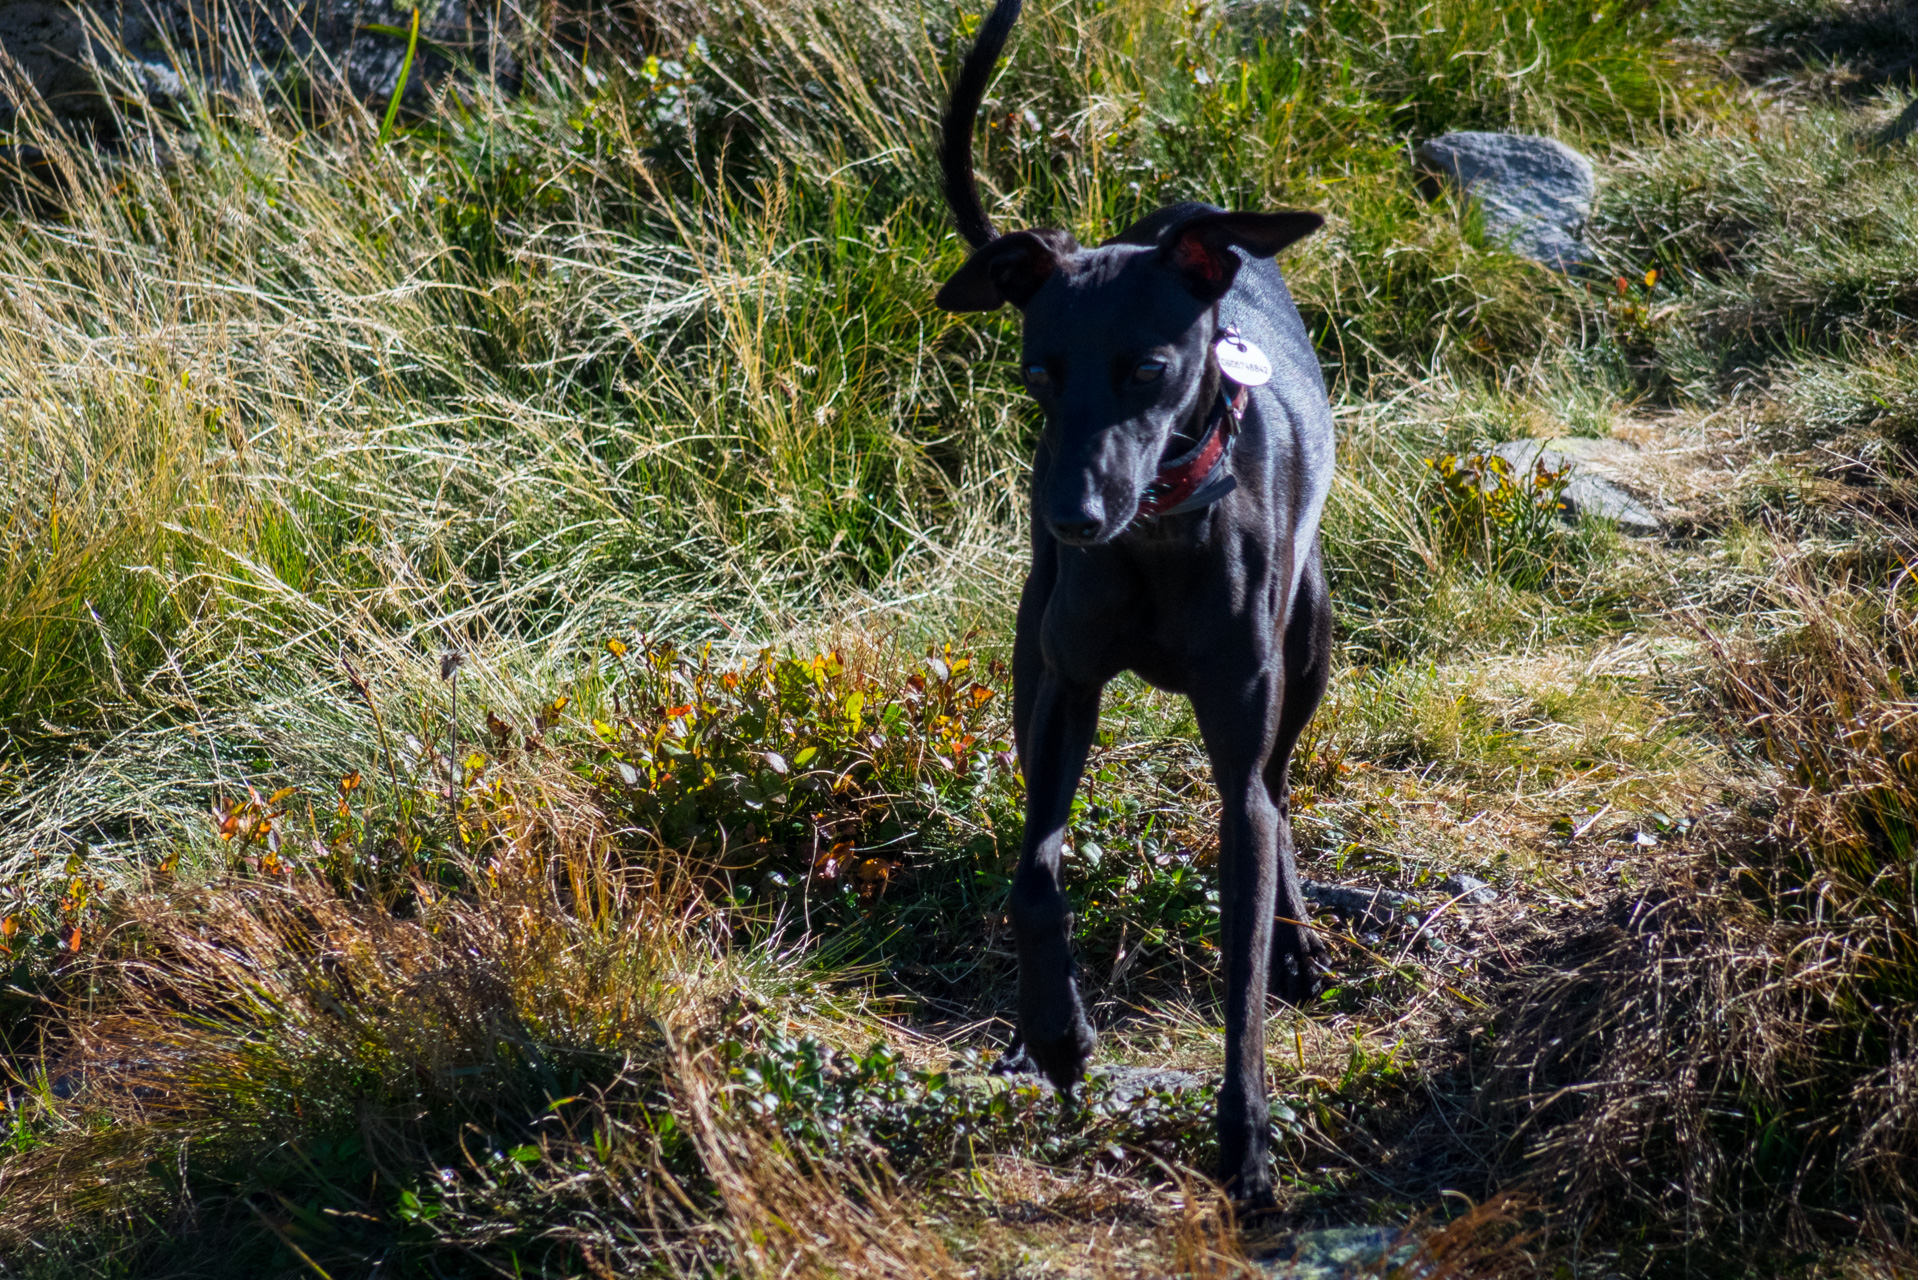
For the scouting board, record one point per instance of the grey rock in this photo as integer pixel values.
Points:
(75, 1076)
(1269, 18)
(1343, 1253)
(1128, 1084)
(1900, 128)
(1470, 891)
(1374, 907)
(1120, 1084)
(1536, 192)
(78, 58)
(1589, 490)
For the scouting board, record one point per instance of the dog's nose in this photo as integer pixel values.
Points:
(1077, 532)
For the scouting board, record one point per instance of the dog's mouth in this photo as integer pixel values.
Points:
(1106, 496)
(1100, 516)
(1082, 533)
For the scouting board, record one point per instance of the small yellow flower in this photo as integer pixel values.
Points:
(616, 648)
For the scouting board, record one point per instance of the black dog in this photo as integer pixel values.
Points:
(1186, 456)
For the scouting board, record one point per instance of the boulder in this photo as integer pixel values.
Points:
(139, 47)
(1536, 192)
(1591, 486)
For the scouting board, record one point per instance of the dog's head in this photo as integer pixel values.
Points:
(1117, 342)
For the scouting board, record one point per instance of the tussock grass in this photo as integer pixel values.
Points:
(1714, 1069)
(1771, 243)
(265, 1050)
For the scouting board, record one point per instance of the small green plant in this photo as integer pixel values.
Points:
(806, 777)
(1509, 525)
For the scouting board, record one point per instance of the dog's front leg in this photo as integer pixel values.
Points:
(1052, 1022)
(1238, 719)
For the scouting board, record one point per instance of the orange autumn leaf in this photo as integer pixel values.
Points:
(871, 875)
(829, 863)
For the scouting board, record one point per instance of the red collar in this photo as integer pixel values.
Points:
(1181, 479)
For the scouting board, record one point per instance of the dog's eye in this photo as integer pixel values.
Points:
(1148, 370)
(1037, 378)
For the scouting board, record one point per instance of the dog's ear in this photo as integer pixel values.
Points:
(1009, 269)
(1200, 248)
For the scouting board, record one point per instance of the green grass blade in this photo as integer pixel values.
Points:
(406, 70)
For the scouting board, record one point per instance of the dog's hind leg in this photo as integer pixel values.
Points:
(1058, 726)
(1297, 952)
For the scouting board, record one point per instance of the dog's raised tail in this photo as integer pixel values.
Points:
(962, 112)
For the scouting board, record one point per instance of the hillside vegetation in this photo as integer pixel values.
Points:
(505, 763)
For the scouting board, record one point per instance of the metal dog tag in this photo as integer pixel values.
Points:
(1242, 362)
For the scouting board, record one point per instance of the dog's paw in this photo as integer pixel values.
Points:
(1245, 1171)
(1015, 1061)
(1298, 962)
(1061, 1057)
(1249, 1205)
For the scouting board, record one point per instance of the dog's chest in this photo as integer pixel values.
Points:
(1168, 619)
